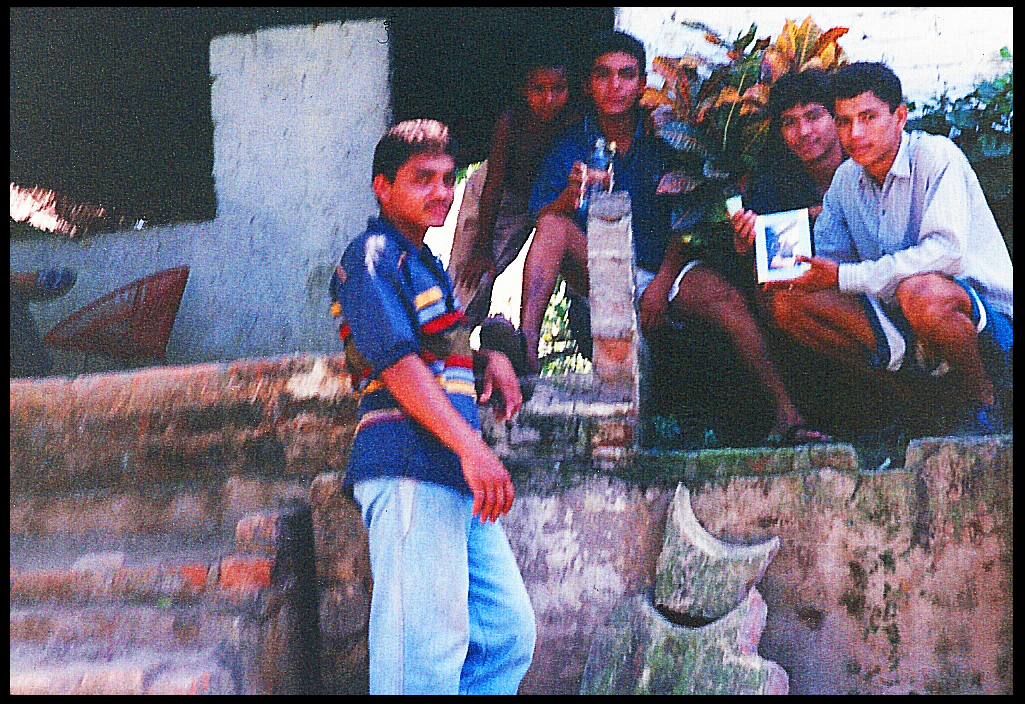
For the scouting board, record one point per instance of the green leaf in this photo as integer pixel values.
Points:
(987, 91)
(1004, 53)
(743, 42)
(993, 147)
(683, 137)
(964, 118)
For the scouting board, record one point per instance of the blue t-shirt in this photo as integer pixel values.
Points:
(638, 172)
(393, 300)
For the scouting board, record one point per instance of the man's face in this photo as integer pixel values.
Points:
(809, 131)
(421, 195)
(546, 91)
(616, 83)
(869, 132)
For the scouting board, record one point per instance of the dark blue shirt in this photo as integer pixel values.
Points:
(781, 185)
(392, 300)
(638, 172)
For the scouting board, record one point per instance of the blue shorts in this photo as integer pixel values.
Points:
(898, 348)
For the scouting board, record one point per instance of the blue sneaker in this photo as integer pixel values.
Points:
(977, 418)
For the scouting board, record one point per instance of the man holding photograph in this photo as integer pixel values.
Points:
(910, 270)
(804, 153)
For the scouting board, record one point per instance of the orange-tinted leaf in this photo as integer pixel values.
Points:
(760, 44)
(758, 94)
(826, 38)
(805, 39)
(683, 94)
(653, 98)
(666, 67)
(814, 62)
(703, 107)
(774, 63)
(715, 39)
(678, 182)
(786, 43)
(729, 94)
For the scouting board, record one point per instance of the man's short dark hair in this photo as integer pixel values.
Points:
(408, 139)
(809, 86)
(544, 55)
(852, 80)
(610, 42)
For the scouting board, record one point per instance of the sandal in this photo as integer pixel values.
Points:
(798, 435)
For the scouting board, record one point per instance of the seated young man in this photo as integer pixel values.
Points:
(910, 267)
(666, 287)
(449, 612)
(805, 156)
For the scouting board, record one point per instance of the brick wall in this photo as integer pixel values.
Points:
(885, 582)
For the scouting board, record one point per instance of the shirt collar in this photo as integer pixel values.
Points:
(384, 226)
(901, 166)
(592, 130)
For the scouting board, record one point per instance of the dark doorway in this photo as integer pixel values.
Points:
(456, 64)
(112, 105)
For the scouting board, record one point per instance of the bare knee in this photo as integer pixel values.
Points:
(554, 225)
(932, 303)
(704, 293)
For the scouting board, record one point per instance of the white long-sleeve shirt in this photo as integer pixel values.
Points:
(929, 215)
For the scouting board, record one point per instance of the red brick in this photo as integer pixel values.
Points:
(245, 572)
(257, 533)
(195, 575)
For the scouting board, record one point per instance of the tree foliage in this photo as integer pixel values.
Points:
(981, 124)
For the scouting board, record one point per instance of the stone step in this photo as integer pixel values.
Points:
(161, 580)
(34, 671)
(109, 630)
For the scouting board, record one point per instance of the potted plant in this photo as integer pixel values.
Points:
(712, 113)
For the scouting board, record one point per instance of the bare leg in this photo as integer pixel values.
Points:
(706, 294)
(829, 322)
(558, 245)
(940, 313)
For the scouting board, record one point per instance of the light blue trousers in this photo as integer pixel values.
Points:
(449, 612)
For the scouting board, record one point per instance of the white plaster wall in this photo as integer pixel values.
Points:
(927, 47)
(297, 113)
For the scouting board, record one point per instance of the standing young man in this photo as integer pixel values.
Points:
(909, 260)
(666, 286)
(449, 612)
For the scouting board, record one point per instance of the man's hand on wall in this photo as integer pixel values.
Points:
(654, 304)
(499, 376)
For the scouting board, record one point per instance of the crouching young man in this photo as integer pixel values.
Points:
(910, 268)
(449, 612)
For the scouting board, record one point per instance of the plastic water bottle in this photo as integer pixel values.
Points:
(600, 159)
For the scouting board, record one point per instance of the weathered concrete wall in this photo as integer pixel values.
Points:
(886, 582)
(928, 47)
(297, 112)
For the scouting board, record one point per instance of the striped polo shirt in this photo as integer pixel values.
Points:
(392, 299)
